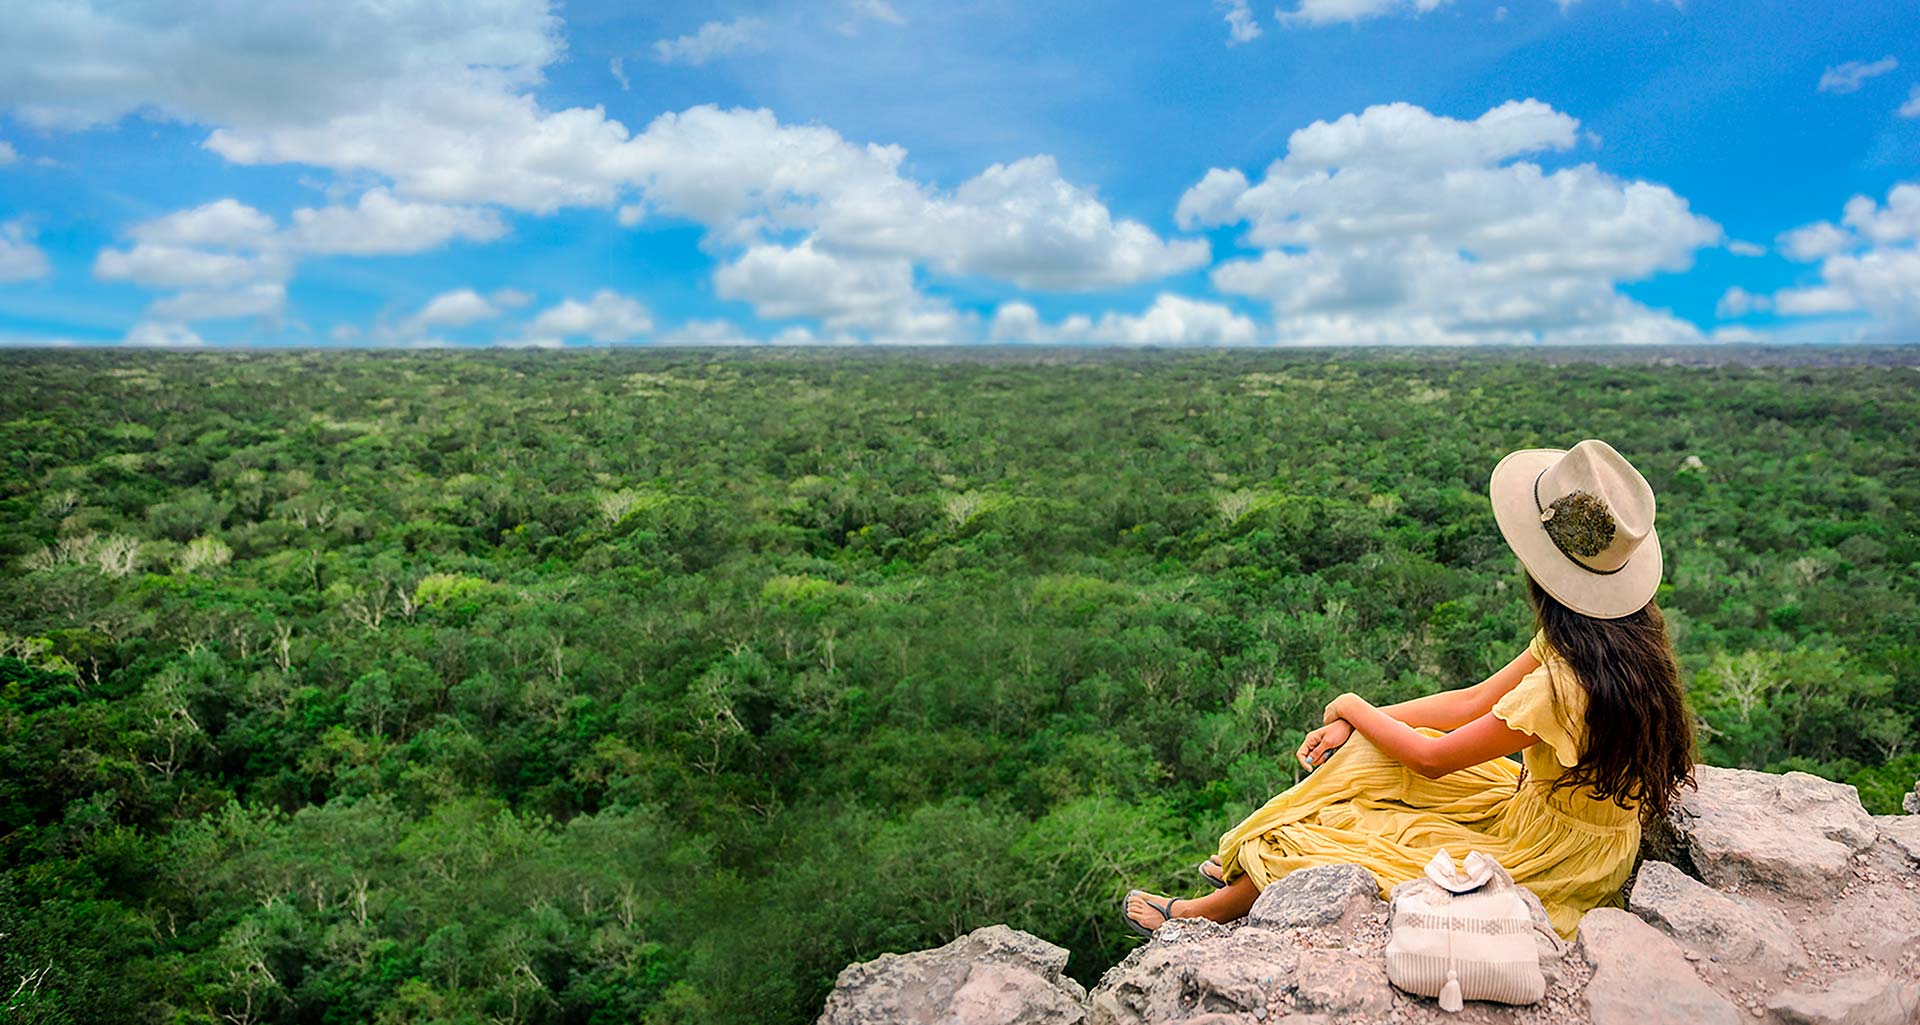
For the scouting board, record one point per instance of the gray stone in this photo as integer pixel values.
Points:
(1903, 830)
(1341, 983)
(1710, 923)
(1794, 833)
(1309, 898)
(1194, 967)
(1641, 977)
(1911, 802)
(1860, 997)
(991, 976)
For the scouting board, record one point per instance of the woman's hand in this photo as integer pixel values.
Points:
(1319, 745)
(1339, 707)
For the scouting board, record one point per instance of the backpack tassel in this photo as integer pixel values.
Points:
(1450, 993)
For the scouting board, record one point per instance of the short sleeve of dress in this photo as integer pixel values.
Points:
(1529, 707)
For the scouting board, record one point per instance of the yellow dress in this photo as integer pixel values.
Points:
(1572, 849)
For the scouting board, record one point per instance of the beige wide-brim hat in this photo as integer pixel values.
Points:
(1581, 521)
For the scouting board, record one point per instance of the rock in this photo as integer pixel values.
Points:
(1641, 977)
(990, 976)
(1195, 967)
(1861, 997)
(1911, 802)
(1309, 898)
(1903, 830)
(1341, 983)
(1793, 832)
(1710, 923)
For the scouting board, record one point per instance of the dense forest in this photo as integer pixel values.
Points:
(656, 686)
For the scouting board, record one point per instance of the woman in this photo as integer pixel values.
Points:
(1593, 706)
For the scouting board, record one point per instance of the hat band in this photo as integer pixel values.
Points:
(1556, 541)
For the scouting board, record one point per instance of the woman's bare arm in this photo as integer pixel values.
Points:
(1485, 738)
(1452, 709)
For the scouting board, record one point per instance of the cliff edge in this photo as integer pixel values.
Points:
(1772, 898)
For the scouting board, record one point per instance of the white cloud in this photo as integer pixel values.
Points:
(228, 259)
(1869, 265)
(162, 334)
(1813, 241)
(223, 222)
(1241, 25)
(845, 293)
(75, 63)
(1327, 12)
(1741, 248)
(713, 39)
(708, 332)
(259, 299)
(457, 308)
(1171, 320)
(510, 298)
(1738, 302)
(380, 225)
(869, 10)
(618, 68)
(1911, 108)
(607, 317)
(1846, 78)
(153, 265)
(1397, 225)
(20, 259)
(7, 153)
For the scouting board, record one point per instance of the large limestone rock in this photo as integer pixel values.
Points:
(1342, 983)
(1794, 833)
(1309, 898)
(1903, 831)
(1911, 802)
(1641, 977)
(1860, 997)
(1709, 923)
(1194, 967)
(990, 976)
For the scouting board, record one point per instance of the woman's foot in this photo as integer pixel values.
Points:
(1148, 912)
(1211, 871)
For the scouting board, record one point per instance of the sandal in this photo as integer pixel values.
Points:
(1212, 880)
(1166, 912)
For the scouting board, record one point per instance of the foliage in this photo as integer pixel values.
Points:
(656, 686)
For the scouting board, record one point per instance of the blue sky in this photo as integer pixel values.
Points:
(1199, 172)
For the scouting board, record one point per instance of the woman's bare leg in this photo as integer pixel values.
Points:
(1226, 904)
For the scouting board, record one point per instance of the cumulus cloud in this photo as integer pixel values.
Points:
(1848, 77)
(162, 334)
(1241, 25)
(20, 258)
(1397, 225)
(1328, 12)
(607, 317)
(1868, 264)
(381, 225)
(1171, 320)
(8, 154)
(1911, 108)
(457, 308)
(713, 39)
(845, 293)
(76, 63)
(435, 101)
(228, 259)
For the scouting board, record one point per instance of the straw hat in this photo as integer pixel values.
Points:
(1581, 521)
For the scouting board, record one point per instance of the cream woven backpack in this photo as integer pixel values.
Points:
(1467, 934)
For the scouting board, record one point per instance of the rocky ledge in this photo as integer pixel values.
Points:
(1773, 899)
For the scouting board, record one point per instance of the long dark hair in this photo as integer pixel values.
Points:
(1639, 736)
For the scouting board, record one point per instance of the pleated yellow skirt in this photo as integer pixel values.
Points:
(1362, 806)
